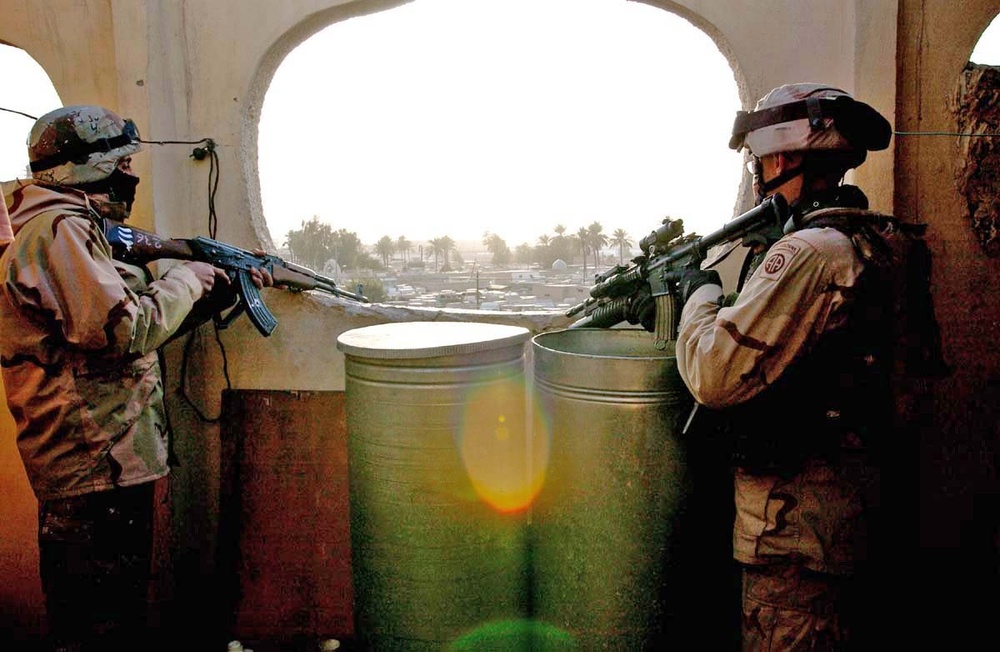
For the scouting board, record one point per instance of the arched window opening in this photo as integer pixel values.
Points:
(35, 96)
(489, 134)
(987, 50)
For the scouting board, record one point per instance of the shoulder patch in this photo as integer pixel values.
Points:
(778, 259)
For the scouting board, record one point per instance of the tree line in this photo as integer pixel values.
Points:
(316, 243)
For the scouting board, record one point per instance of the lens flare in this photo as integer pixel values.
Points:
(515, 634)
(505, 463)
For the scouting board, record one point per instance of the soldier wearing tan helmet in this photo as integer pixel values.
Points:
(796, 369)
(79, 333)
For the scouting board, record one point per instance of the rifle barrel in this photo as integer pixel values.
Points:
(772, 209)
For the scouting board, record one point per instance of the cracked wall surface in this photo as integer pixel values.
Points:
(977, 111)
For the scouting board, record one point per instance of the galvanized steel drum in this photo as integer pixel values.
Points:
(611, 407)
(437, 446)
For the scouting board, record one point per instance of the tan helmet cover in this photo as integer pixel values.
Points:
(809, 116)
(79, 144)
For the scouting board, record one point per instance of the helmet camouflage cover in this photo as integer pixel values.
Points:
(79, 144)
(808, 116)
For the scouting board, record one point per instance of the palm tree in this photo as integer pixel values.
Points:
(442, 246)
(544, 240)
(620, 239)
(561, 246)
(384, 248)
(437, 248)
(404, 247)
(498, 247)
(597, 241)
(583, 239)
(448, 246)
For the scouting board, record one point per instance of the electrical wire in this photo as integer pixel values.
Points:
(182, 390)
(214, 170)
(18, 113)
(943, 133)
(207, 150)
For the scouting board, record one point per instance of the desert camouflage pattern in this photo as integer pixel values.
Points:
(727, 356)
(78, 339)
(6, 232)
(790, 610)
(76, 126)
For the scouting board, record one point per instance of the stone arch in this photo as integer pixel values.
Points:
(318, 21)
(261, 80)
(744, 197)
(21, 108)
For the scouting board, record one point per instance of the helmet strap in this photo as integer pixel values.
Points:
(765, 188)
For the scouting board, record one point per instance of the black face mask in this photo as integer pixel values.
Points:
(121, 187)
(118, 186)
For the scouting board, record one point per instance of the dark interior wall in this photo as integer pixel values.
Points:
(284, 528)
(956, 453)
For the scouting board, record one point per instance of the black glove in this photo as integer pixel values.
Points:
(689, 280)
(641, 309)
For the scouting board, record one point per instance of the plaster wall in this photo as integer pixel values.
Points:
(958, 458)
(194, 69)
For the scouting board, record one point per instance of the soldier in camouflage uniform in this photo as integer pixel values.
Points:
(797, 367)
(79, 333)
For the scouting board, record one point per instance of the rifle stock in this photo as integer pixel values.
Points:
(136, 246)
(655, 270)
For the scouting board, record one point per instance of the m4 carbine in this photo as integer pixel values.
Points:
(135, 246)
(655, 272)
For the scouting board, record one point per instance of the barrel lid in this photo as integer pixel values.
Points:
(427, 339)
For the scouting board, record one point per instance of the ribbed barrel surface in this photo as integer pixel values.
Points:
(612, 407)
(437, 438)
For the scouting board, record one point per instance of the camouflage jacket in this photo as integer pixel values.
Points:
(79, 334)
(800, 297)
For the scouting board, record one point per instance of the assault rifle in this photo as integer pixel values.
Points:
(654, 273)
(132, 245)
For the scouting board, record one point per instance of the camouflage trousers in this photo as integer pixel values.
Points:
(94, 558)
(788, 608)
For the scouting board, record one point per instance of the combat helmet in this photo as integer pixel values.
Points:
(809, 117)
(79, 144)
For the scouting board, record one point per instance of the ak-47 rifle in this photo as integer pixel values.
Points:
(132, 245)
(654, 273)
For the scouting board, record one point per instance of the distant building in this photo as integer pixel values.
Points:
(526, 275)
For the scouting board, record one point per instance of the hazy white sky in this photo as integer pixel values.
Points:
(454, 117)
(25, 88)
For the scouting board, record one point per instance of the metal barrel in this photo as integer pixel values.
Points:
(437, 441)
(612, 408)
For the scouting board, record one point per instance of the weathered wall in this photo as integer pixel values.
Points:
(959, 497)
(193, 69)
